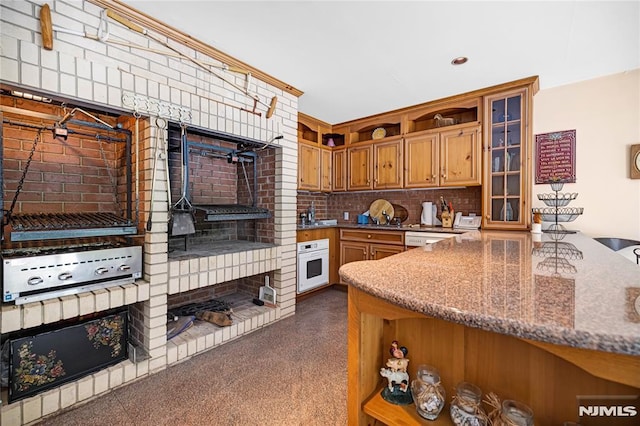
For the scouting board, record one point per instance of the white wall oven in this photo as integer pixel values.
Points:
(313, 264)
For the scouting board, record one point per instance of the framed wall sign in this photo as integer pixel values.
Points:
(556, 157)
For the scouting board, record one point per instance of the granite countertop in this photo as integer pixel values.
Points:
(574, 291)
(373, 227)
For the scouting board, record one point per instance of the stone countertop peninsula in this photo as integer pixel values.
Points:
(571, 291)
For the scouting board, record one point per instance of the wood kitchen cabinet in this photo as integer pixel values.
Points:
(364, 244)
(308, 167)
(314, 156)
(382, 160)
(339, 170)
(506, 190)
(387, 165)
(326, 173)
(359, 160)
(449, 156)
(314, 168)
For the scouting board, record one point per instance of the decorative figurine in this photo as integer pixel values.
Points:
(397, 390)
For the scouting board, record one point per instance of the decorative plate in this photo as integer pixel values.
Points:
(379, 133)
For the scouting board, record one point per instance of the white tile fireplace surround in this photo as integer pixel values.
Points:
(92, 72)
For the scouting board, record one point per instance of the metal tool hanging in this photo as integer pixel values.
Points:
(160, 152)
(182, 212)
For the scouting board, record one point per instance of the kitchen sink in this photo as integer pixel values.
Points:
(327, 222)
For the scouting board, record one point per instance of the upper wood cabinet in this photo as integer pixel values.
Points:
(461, 156)
(506, 191)
(326, 173)
(387, 165)
(314, 168)
(308, 167)
(421, 160)
(314, 156)
(340, 170)
(451, 157)
(359, 160)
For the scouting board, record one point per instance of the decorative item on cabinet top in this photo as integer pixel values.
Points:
(442, 121)
(379, 133)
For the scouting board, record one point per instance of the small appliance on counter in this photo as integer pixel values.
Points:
(428, 216)
(466, 222)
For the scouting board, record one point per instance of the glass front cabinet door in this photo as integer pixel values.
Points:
(507, 160)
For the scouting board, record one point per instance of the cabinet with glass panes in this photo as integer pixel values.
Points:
(507, 158)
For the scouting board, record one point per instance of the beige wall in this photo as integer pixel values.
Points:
(606, 115)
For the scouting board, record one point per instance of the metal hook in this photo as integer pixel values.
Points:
(161, 123)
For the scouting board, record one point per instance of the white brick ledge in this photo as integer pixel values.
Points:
(17, 317)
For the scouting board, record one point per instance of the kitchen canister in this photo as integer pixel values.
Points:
(428, 392)
(465, 407)
(514, 413)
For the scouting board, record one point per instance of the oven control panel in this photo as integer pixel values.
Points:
(32, 278)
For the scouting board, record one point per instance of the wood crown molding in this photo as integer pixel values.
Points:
(174, 34)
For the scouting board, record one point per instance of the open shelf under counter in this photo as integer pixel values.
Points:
(202, 336)
(389, 413)
(17, 317)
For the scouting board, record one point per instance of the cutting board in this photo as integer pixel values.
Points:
(400, 212)
(378, 206)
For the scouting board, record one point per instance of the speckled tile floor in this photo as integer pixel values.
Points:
(293, 372)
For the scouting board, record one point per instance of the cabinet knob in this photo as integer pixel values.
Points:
(368, 235)
(373, 252)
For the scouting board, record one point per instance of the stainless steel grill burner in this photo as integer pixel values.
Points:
(53, 272)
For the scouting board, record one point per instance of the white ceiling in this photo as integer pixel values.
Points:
(356, 58)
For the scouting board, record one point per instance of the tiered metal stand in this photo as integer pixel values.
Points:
(557, 211)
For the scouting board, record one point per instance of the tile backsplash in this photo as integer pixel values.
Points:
(332, 206)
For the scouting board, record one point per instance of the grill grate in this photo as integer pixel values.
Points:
(220, 212)
(46, 226)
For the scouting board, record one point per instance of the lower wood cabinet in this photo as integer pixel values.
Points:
(358, 244)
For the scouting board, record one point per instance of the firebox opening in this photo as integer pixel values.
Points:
(229, 185)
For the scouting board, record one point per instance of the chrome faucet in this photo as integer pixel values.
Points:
(387, 218)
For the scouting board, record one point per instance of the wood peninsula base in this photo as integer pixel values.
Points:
(546, 377)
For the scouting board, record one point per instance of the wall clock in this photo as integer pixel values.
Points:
(635, 161)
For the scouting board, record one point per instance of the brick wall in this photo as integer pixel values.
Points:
(321, 203)
(79, 174)
(202, 294)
